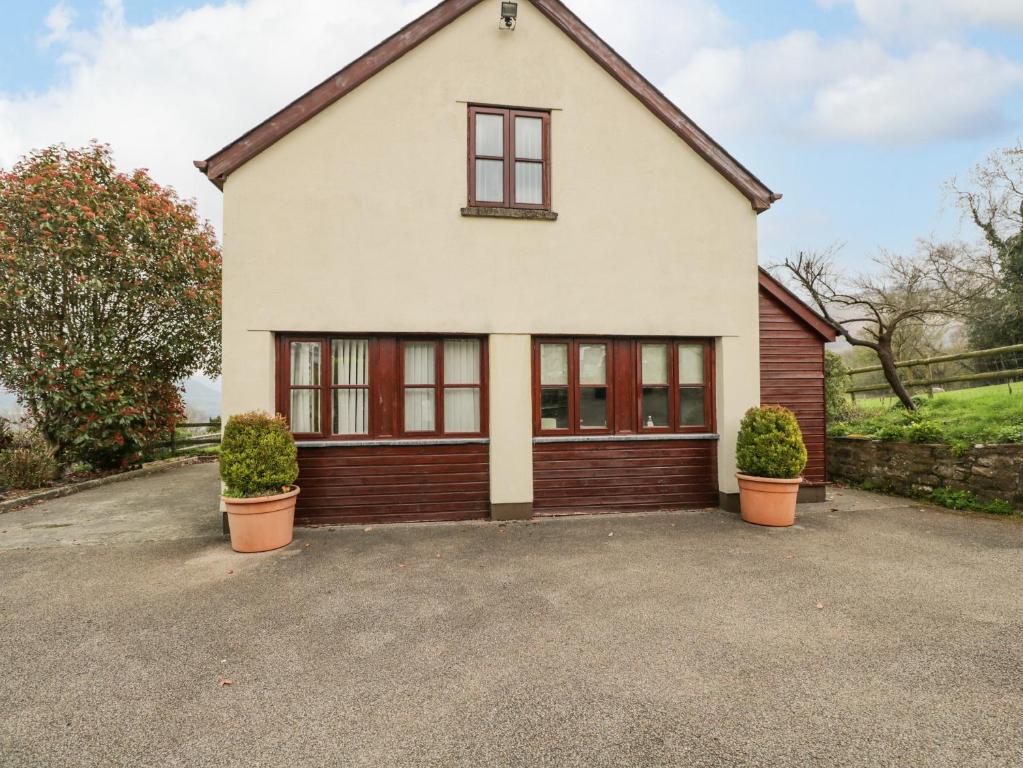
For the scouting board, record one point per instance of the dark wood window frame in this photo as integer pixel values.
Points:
(624, 376)
(574, 387)
(386, 387)
(675, 386)
(509, 157)
(284, 377)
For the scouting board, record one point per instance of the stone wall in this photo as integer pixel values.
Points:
(989, 471)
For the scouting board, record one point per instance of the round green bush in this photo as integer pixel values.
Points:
(924, 431)
(258, 456)
(839, 429)
(770, 444)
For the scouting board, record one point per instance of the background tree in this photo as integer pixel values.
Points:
(993, 200)
(872, 310)
(109, 298)
(836, 382)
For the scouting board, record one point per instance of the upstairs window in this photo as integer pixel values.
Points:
(509, 158)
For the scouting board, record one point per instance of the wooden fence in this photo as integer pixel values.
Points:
(177, 443)
(932, 380)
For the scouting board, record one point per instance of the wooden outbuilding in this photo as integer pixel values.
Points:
(792, 339)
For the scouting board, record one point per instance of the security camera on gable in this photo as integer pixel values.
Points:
(509, 14)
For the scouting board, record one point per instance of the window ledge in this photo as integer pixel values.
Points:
(382, 443)
(536, 214)
(625, 438)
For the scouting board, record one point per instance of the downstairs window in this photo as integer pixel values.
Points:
(359, 387)
(591, 386)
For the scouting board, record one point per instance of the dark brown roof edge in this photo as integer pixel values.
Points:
(760, 196)
(796, 305)
(222, 163)
(240, 151)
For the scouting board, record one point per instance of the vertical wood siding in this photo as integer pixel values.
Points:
(385, 484)
(589, 477)
(792, 375)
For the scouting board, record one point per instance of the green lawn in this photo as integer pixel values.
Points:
(981, 415)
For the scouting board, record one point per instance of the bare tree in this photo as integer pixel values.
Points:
(872, 309)
(992, 199)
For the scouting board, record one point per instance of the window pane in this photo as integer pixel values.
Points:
(690, 407)
(462, 361)
(420, 410)
(305, 363)
(351, 411)
(350, 361)
(490, 181)
(655, 407)
(305, 410)
(529, 183)
(593, 408)
(462, 410)
(420, 363)
(690, 363)
(655, 363)
(554, 409)
(528, 138)
(554, 364)
(490, 135)
(593, 364)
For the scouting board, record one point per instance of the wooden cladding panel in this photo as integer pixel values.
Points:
(792, 375)
(391, 484)
(588, 477)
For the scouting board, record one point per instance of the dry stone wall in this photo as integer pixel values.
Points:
(990, 472)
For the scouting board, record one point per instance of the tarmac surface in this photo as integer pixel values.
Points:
(877, 632)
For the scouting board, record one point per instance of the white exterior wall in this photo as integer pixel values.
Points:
(351, 223)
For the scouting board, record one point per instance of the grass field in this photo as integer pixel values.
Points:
(981, 415)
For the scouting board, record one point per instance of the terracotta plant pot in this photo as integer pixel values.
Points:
(768, 501)
(263, 523)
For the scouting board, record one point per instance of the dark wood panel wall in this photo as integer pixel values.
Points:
(792, 375)
(588, 477)
(387, 484)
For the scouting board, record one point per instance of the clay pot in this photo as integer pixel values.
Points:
(263, 523)
(767, 500)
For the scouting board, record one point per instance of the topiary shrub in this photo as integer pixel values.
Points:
(258, 456)
(28, 461)
(771, 444)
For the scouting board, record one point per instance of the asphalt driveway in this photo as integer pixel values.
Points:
(875, 633)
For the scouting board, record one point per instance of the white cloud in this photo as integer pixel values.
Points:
(178, 89)
(166, 93)
(895, 15)
(944, 91)
(655, 35)
(58, 22)
(849, 90)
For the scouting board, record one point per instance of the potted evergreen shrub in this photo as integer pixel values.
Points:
(259, 466)
(771, 456)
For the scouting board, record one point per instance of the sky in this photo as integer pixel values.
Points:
(858, 111)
